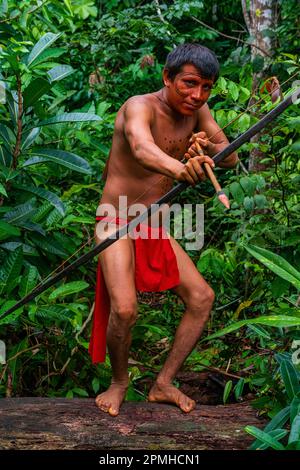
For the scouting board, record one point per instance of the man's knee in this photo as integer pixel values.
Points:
(124, 313)
(201, 299)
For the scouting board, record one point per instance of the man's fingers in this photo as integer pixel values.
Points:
(201, 135)
(191, 170)
(198, 169)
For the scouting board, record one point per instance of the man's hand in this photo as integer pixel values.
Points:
(206, 145)
(192, 171)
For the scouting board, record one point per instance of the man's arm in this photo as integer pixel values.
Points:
(217, 138)
(137, 130)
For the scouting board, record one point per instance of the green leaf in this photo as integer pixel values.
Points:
(69, 117)
(52, 53)
(278, 321)
(243, 123)
(249, 203)
(233, 90)
(238, 389)
(7, 137)
(295, 430)
(276, 422)
(237, 192)
(29, 137)
(264, 437)
(41, 45)
(60, 157)
(59, 72)
(294, 408)
(29, 280)
(19, 213)
(48, 245)
(3, 190)
(68, 289)
(275, 263)
(7, 230)
(10, 271)
(44, 194)
(35, 90)
(11, 318)
(227, 390)
(290, 379)
(96, 384)
(80, 391)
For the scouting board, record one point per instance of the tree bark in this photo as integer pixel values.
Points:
(59, 423)
(261, 16)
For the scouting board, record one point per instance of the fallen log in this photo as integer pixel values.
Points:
(60, 423)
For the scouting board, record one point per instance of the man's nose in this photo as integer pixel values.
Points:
(197, 93)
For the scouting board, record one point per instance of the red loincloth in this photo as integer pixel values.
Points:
(155, 270)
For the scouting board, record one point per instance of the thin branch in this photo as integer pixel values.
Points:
(230, 37)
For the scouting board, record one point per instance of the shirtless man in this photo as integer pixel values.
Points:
(152, 134)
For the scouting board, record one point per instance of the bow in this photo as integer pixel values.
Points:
(245, 137)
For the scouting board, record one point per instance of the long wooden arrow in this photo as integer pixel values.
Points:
(245, 137)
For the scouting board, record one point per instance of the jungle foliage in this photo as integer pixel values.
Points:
(66, 67)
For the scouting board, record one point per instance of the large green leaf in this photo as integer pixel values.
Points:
(275, 263)
(27, 249)
(44, 194)
(295, 430)
(10, 270)
(59, 72)
(49, 245)
(3, 190)
(52, 53)
(67, 289)
(264, 437)
(20, 213)
(60, 157)
(28, 281)
(12, 102)
(294, 408)
(13, 316)
(29, 137)
(278, 421)
(290, 379)
(279, 321)
(69, 117)
(40, 46)
(7, 230)
(35, 90)
(7, 136)
(5, 156)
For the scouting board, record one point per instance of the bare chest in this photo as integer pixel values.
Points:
(172, 137)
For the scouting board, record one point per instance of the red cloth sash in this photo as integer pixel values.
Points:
(155, 270)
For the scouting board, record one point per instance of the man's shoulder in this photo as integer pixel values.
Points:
(146, 99)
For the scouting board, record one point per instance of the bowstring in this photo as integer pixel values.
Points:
(90, 239)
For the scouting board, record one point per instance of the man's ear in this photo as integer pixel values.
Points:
(166, 78)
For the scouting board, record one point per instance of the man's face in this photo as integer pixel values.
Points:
(188, 91)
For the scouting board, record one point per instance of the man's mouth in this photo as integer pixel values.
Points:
(192, 106)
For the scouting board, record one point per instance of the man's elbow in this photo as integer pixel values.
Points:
(230, 162)
(234, 159)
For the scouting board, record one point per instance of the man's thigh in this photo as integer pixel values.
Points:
(118, 267)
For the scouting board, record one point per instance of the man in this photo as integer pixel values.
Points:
(152, 133)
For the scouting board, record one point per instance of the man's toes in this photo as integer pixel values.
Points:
(188, 406)
(113, 411)
(103, 406)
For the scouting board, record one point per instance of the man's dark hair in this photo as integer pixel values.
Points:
(201, 57)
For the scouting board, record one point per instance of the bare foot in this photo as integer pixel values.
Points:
(168, 393)
(111, 400)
